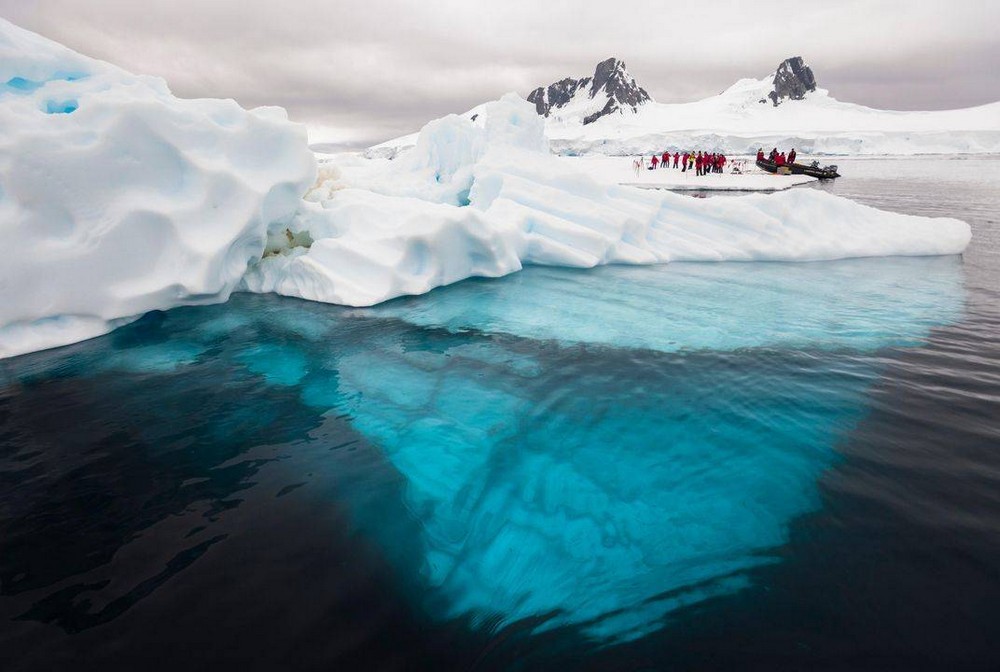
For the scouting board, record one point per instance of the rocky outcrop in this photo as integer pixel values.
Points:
(792, 80)
(611, 83)
(556, 95)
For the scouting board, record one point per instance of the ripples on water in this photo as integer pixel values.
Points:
(697, 465)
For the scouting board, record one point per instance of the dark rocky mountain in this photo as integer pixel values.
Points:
(611, 83)
(793, 80)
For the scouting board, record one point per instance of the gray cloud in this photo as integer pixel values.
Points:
(375, 69)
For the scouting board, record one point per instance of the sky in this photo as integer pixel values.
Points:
(362, 71)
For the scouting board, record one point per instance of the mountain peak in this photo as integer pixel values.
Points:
(612, 89)
(792, 80)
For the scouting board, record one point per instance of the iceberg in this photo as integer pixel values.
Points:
(118, 198)
(484, 197)
(122, 199)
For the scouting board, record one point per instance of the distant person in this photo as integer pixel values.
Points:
(722, 163)
(791, 156)
(760, 154)
(773, 155)
(780, 159)
(699, 164)
(654, 163)
(677, 157)
(685, 168)
(665, 160)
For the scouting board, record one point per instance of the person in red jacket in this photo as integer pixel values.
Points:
(760, 154)
(665, 160)
(722, 163)
(677, 157)
(686, 156)
(699, 163)
(779, 160)
(655, 162)
(791, 156)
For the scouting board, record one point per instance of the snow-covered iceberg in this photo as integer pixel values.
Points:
(120, 198)
(483, 197)
(116, 198)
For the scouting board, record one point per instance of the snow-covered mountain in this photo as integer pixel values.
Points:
(611, 89)
(611, 114)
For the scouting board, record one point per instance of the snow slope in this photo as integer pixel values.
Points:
(738, 122)
(484, 197)
(117, 198)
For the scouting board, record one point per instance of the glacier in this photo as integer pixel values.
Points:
(122, 199)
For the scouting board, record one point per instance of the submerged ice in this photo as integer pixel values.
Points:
(854, 303)
(554, 476)
(603, 488)
(644, 485)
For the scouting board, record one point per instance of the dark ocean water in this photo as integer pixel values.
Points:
(695, 466)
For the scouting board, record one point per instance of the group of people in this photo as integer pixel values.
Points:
(777, 158)
(702, 163)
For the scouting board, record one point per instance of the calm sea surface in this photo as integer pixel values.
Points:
(692, 466)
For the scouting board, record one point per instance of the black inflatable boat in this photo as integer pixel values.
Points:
(813, 170)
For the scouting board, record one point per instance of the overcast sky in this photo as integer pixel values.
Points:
(368, 70)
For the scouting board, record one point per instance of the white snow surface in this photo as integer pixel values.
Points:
(737, 122)
(116, 198)
(619, 170)
(485, 197)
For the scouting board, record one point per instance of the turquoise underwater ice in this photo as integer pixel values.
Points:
(605, 486)
(585, 449)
